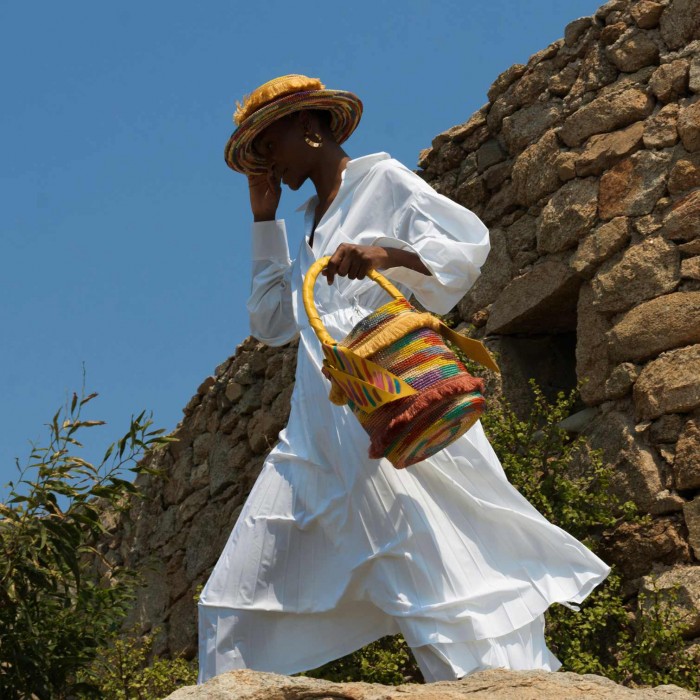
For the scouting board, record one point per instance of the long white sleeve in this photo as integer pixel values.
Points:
(270, 302)
(452, 242)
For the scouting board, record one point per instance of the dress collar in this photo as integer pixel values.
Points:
(353, 169)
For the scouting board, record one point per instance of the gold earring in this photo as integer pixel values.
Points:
(314, 142)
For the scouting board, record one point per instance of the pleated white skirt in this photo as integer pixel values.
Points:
(333, 550)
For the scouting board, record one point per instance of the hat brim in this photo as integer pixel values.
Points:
(345, 108)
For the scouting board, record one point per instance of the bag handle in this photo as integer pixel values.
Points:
(473, 349)
(307, 296)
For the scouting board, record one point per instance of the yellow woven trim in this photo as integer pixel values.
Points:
(394, 330)
(272, 90)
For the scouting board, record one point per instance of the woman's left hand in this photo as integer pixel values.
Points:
(355, 261)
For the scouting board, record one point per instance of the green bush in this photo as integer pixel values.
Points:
(653, 652)
(122, 670)
(388, 661)
(637, 641)
(565, 480)
(55, 610)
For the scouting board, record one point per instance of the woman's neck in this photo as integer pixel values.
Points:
(327, 175)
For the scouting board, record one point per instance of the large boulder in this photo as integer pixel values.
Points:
(679, 586)
(541, 300)
(660, 130)
(681, 221)
(669, 384)
(603, 242)
(568, 216)
(685, 173)
(680, 23)
(606, 113)
(633, 50)
(604, 150)
(670, 81)
(497, 684)
(636, 548)
(634, 185)
(534, 171)
(637, 472)
(689, 127)
(666, 322)
(687, 460)
(645, 270)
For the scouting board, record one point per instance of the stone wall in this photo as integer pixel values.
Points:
(585, 164)
(174, 536)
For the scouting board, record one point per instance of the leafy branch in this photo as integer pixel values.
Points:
(54, 614)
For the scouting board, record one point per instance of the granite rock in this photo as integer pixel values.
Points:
(669, 384)
(606, 113)
(602, 151)
(497, 684)
(568, 216)
(634, 185)
(660, 129)
(680, 22)
(670, 80)
(666, 322)
(689, 126)
(633, 50)
(687, 462)
(645, 270)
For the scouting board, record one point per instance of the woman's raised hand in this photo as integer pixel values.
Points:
(355, 261)
(265, 192)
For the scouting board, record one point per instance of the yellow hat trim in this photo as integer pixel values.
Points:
(272, 90)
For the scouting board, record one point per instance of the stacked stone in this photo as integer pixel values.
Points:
(174, 535)
(585, 164)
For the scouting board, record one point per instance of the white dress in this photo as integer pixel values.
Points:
(333, 550)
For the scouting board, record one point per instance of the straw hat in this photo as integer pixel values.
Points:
(277, 98)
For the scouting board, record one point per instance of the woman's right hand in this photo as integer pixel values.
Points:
(265, 192)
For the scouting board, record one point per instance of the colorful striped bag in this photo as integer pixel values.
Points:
(409, 391)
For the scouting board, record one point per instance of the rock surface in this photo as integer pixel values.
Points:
(548, 291)
(687, 459)
(683, 584)
(669, 384)
(663, 323)
(494, 685)
(602, 243)
(635, 185)
(606, 113)
(646, 270)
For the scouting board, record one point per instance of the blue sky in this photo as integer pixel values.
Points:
(124, 237)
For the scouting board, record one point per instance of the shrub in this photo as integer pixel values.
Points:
(122, 670)
(55, 612)
(570, 485)
(388, 661)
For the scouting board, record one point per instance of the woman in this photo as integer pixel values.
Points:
(332, 549)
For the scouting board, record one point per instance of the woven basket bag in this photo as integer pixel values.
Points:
(409, 391)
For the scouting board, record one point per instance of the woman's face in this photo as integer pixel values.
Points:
(286, 153)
